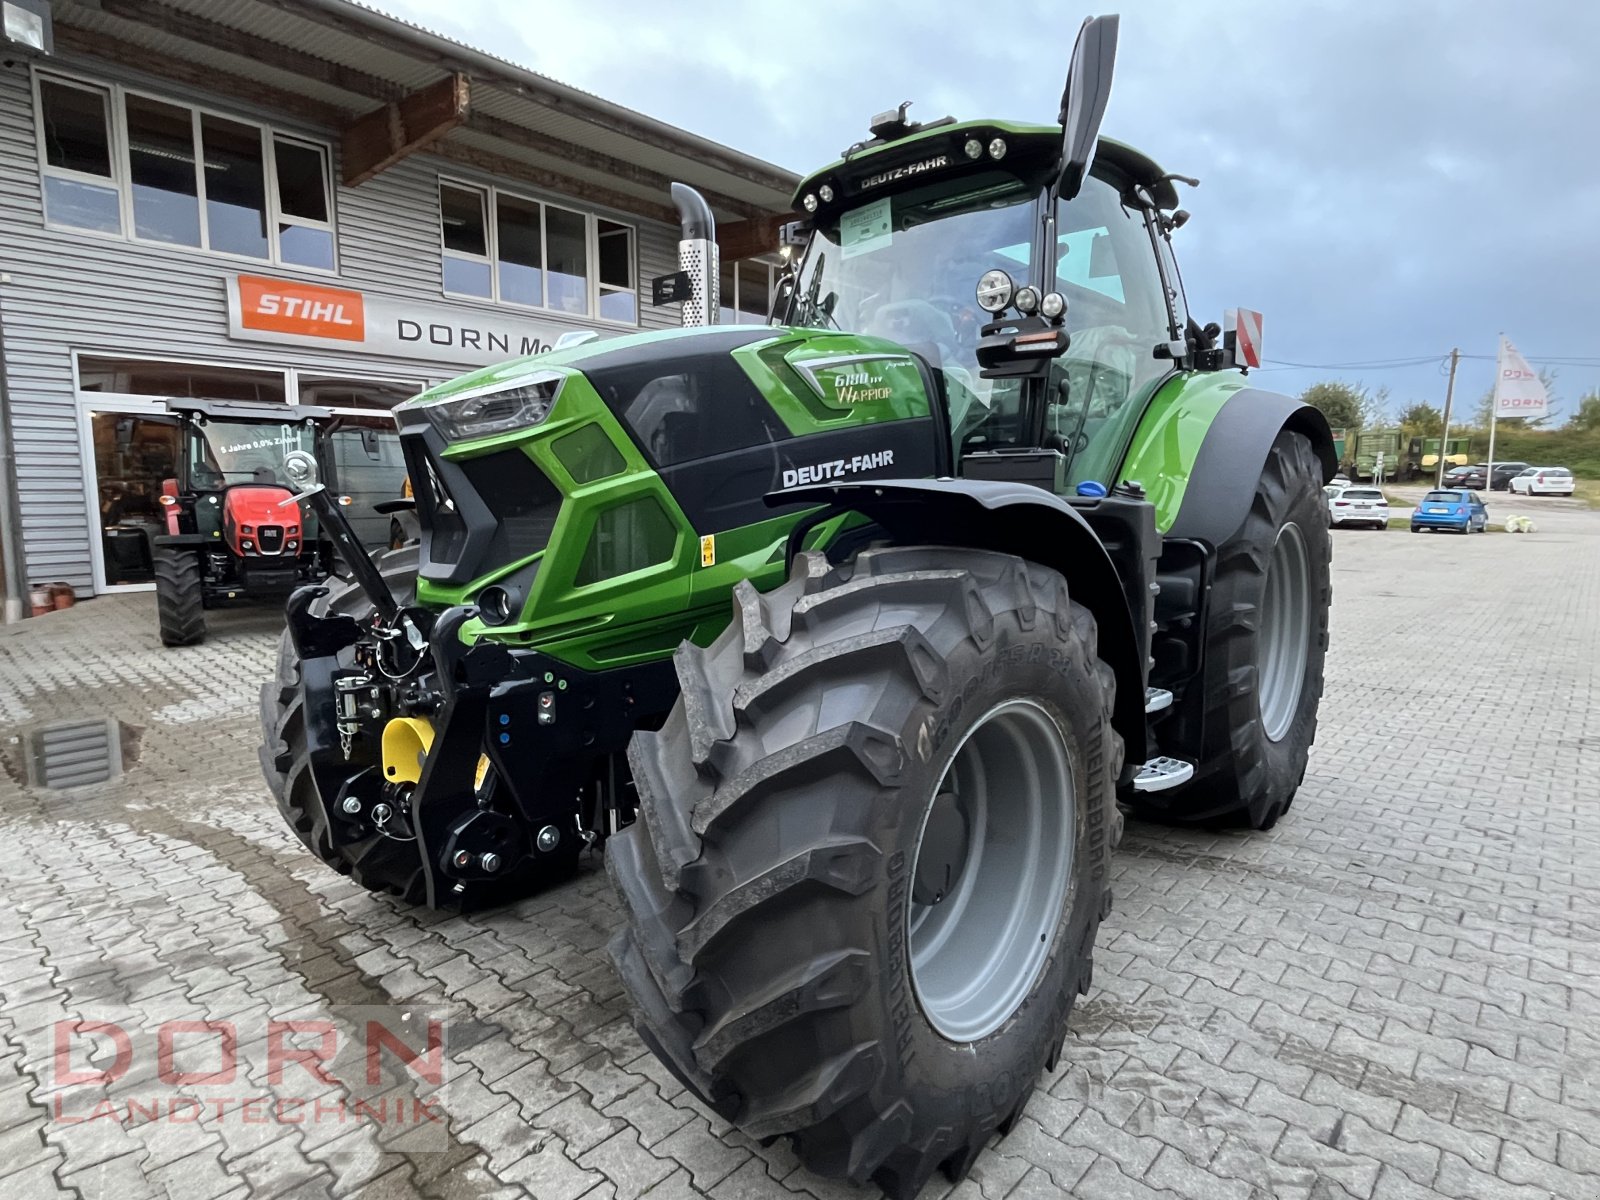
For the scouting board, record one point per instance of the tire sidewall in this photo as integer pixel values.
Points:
(1285, 758)
(1036, 665)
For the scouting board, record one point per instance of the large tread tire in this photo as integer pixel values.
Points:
(379, 864)
(766, 880)
(180, 597)
(1244, 777)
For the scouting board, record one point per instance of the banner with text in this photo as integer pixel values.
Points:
(289, 312)
(1518, 390)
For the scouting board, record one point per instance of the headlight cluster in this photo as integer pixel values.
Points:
(498, 408)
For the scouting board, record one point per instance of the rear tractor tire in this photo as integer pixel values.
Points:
(180, 597)
(1267, 637)
(872, 856)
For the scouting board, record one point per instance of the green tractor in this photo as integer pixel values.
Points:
(998, 568)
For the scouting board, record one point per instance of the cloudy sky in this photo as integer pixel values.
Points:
(1384, 180)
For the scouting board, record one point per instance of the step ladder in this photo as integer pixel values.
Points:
(1161, 773)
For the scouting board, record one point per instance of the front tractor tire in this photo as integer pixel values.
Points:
(1267, 637)
(180, 596)
(380, 863)
(872, 855)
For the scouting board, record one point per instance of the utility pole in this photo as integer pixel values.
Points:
(1449, 395)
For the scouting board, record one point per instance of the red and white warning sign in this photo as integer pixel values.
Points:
(1243, 326)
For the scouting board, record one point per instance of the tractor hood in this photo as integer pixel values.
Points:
(579, 481)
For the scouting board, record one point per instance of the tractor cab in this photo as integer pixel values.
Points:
(229, 492)
(1050, 318)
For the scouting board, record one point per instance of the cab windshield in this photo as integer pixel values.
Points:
(905, 267)
(222, 453)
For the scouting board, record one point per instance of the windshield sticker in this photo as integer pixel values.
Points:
(286, 438)
(865, 229)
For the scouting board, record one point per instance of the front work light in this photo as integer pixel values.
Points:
(995, 290)
(496, 408)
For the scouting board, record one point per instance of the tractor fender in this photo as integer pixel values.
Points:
(1223, 475)
(1012, 518)
(181, 540)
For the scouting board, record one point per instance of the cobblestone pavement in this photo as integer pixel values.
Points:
(1394, 995)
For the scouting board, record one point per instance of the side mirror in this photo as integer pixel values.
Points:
(301, 469)
(1083, 101)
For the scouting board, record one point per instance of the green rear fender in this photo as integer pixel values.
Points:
(1200, 446)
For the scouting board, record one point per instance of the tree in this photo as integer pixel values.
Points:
(1587, 418)
(1424, 418)
(1345, 405)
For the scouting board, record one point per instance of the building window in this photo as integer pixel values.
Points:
(183, 177)
(337, 392)
(464, 228)
(197, 381)
(514, 250)
(746, 292)
(619, 293)
(79, 186)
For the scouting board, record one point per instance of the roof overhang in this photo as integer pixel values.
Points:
(337, 63)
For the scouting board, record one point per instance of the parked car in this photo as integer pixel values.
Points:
(1543, 481)
(1471, 477)
(1500, 478)
(1357, 504)
(1450, 508)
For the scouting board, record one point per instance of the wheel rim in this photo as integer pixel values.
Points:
(1285, 633)
(994, 858)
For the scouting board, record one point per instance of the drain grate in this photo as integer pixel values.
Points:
(69, 754)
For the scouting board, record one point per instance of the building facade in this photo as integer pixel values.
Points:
(301, 202)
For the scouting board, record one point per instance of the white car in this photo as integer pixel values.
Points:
(1357, 504)
(1543, 481)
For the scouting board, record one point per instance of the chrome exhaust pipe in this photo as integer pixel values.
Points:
(697, 256)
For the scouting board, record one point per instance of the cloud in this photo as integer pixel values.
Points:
(1383, 180)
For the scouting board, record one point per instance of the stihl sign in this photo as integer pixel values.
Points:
(305, 309)
(261, 309)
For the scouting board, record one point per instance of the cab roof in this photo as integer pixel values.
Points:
(1037, 148)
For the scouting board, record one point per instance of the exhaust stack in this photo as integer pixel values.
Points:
(697, 256)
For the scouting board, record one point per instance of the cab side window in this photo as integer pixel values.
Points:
(1117, 314)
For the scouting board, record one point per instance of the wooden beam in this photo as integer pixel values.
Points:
(376, 141)
(748, 239)
(213, 35)
(191, 27)
(379, 30)
(94, 44)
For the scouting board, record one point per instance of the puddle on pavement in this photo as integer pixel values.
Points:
(70, 754)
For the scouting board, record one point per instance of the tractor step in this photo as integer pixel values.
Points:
(1156, 699)
(1162, 773)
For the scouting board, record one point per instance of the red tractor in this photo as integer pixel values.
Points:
(234, 530)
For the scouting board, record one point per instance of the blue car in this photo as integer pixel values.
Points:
(1452, 508)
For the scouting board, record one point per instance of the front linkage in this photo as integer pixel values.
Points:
(499, 763)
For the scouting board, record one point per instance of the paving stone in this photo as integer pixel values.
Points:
(1390, 996)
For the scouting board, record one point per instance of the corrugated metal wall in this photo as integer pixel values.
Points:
(69, 291)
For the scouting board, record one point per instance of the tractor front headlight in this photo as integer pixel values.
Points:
(496, 408)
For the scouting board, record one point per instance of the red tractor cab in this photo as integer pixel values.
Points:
(234, 530)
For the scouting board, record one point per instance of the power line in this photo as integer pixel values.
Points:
(1281, 365)
(1554, 360)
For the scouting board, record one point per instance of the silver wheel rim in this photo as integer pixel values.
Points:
(984, 907)
(1285, 634)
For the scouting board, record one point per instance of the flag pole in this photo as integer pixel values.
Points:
(1494, 405)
